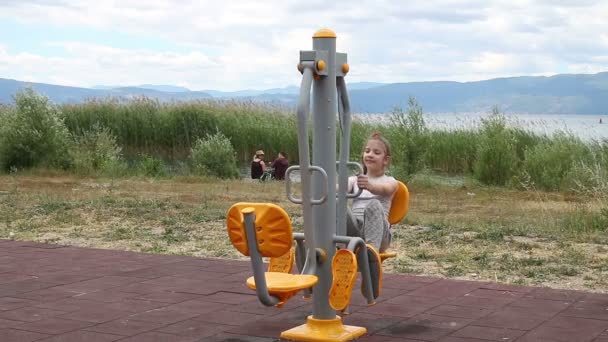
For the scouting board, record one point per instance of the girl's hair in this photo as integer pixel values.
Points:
(387, 147)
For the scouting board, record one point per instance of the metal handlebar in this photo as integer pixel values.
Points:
(299, 200)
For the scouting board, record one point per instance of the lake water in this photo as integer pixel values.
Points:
(587, 127)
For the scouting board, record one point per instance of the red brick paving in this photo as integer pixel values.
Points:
(56, 293)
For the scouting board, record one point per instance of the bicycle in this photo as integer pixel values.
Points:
(268, 175)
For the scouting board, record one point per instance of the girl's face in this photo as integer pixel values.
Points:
(374, 156)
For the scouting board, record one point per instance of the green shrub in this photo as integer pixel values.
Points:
(409, 138)
(96, 151)
(33, 134)
(549, 164)
(215, 156)
(452, 152)
(496, 156)
(589, 178)
(151, 167)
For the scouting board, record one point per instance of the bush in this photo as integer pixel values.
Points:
(409, 138)
(215, 156)
(452, 152)
(496, 156)
(549, 163)
(151, 167)
(96, 151)
(33, 134)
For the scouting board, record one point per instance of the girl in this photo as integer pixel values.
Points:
(368, 216)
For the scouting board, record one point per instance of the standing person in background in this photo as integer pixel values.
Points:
(258, 167)
(368, 216)
(280, 165)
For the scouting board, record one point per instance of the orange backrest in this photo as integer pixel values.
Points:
(400, 204)
(273, 230)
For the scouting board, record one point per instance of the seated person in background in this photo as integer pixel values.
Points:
(280, 165)
(258, 167)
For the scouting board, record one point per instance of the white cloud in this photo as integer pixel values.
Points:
(242, 44)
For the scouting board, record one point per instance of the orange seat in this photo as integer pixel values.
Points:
(284, 263)
(400, 204)
(274, 238)
(399, 208)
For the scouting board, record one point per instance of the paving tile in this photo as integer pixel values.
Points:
(26, 285)
(159, 337)
(223, 337)
(107, 296)
(227, 317)
(496, 293)
(446, 288)
(171, 297)
(588, 309)
(135, 305)
(12, 303)
(63, 278)
(386, 294)
(30, 314)
(459, 311)
(67, 304)
(163, 315)
(481, 302)
(230, 298)
(196, 306)
(379, 338)
(414, 331)
(513, 318)
(146, 273)
(575, 323)
(126, 327)
(97, 314)
(14, 335)
(398, 310)
(97, 284)
(371, 322)
(508, 287)
(193, 328)
(266, 327)
(554, 294)
(82, 336)
(53, 326)
(546, 307)
(45, 295)
(185, 285)
(488, 333)
(7, 323)
(460, 339)
(442, 322)
(545, 333)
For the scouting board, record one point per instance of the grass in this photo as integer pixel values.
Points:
(455, 229)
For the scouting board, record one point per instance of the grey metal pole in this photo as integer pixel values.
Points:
(324, 155)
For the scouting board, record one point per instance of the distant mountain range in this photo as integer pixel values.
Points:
(559, 94)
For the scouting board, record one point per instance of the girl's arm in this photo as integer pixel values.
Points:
(263, 165)
(384, 189)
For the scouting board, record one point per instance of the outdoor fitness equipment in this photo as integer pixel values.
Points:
(264, 229)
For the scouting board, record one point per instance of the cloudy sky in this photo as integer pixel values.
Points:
(233, 45)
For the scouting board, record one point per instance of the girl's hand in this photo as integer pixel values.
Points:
(363, 182)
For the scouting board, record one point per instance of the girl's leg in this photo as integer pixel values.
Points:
(375, 229)
(353, 224)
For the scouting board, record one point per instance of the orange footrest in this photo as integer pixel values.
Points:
(344, 270)
(375, 268)
(387, 255)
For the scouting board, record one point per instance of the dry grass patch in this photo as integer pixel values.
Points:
(462, 232)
